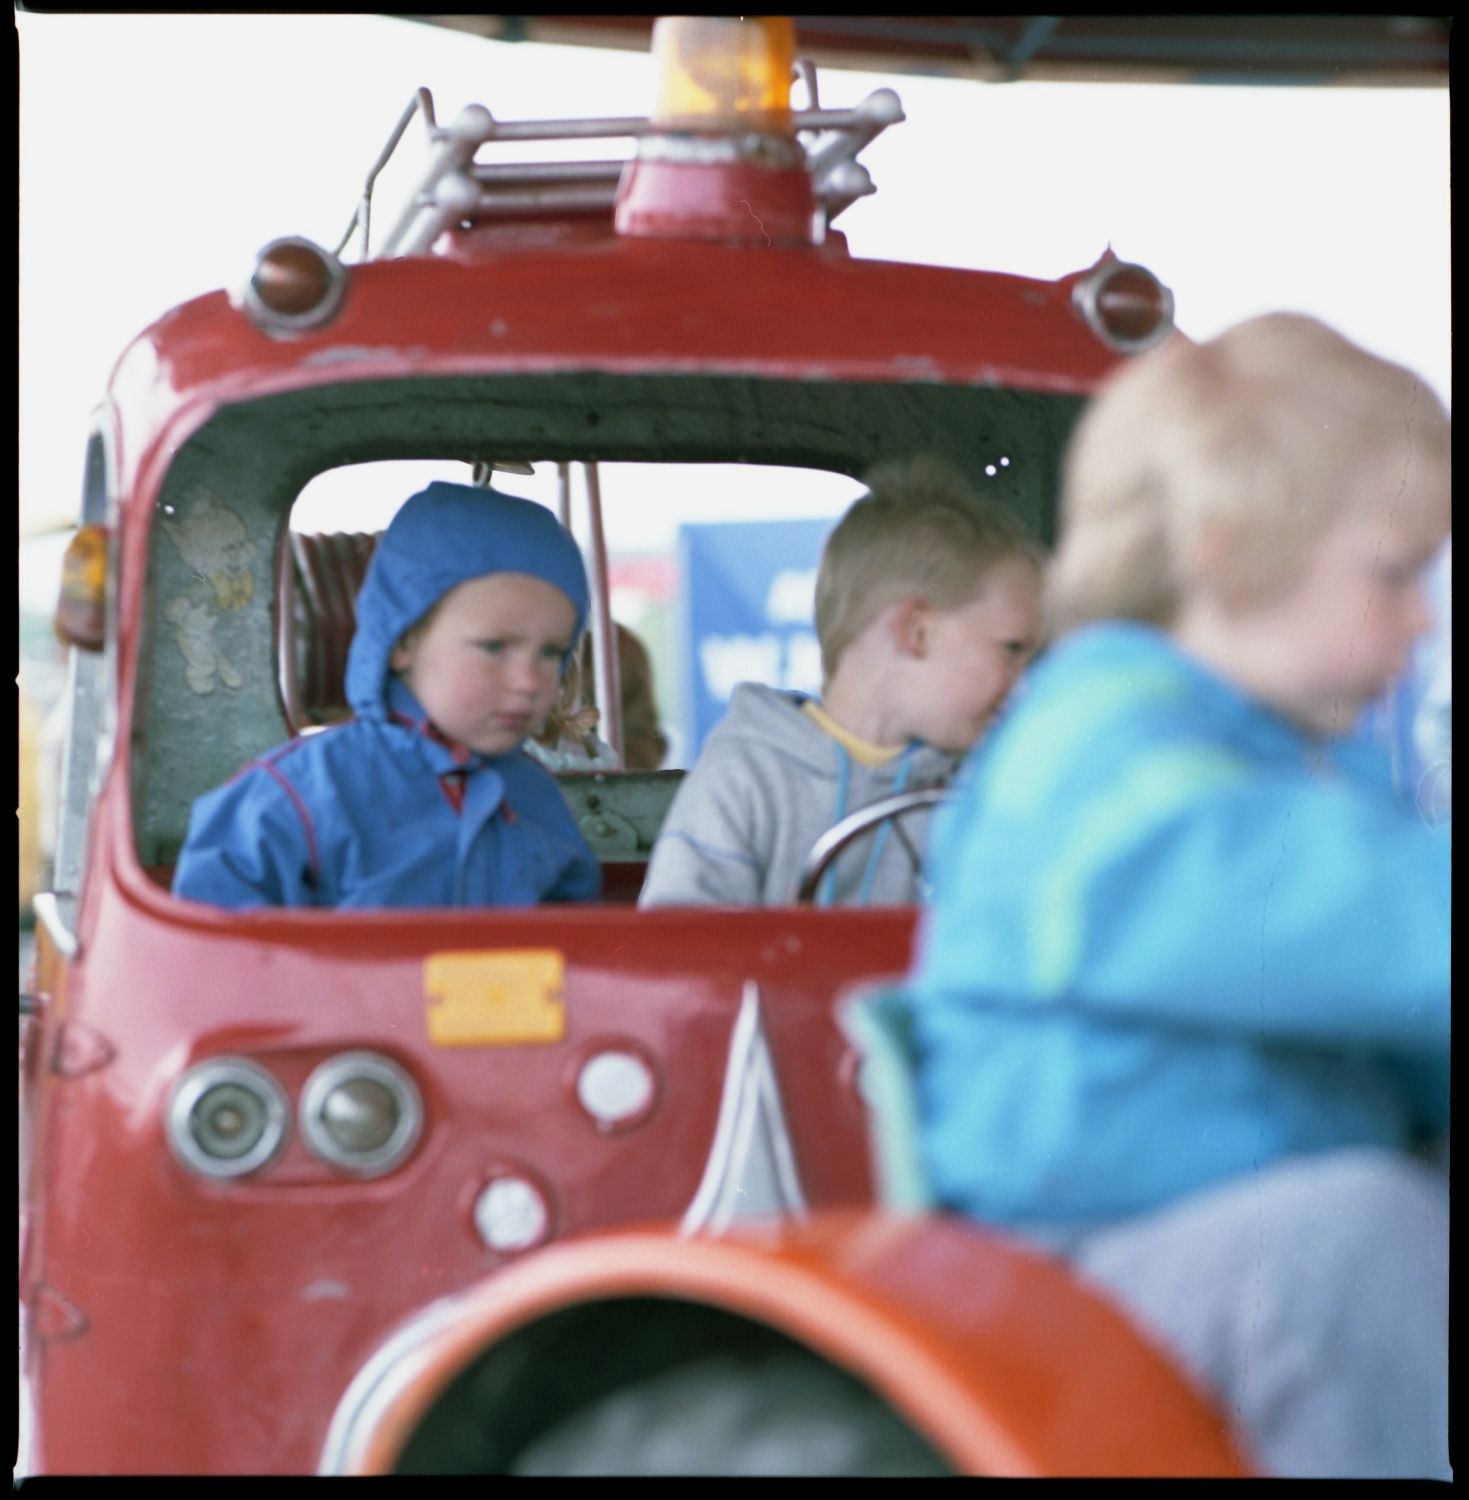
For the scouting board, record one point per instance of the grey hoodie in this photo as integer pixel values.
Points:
(768, 783)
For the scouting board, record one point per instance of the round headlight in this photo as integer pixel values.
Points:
(295, 286)
(361, 1112)
(227, 1117)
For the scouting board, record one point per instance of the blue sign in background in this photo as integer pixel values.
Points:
(747, 598)
(747, 590)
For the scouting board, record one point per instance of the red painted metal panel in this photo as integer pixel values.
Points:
(640, 307)
(244, 1309)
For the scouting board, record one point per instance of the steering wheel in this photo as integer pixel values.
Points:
(839, 835)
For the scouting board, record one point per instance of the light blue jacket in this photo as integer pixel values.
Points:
(382, 811)
(1172, 939)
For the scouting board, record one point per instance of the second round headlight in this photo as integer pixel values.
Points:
(361, 1112)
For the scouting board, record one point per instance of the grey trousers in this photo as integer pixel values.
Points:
(1311, 1302)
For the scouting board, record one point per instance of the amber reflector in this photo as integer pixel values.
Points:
(80, 614)
(1131, 304)
(292, 279)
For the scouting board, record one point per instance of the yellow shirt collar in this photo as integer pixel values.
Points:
(864, 752)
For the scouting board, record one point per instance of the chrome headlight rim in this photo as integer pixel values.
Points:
(347, 1067)
(280, 323)
(1088, 293)
(215, 1073)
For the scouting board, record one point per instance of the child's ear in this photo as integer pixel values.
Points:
(909, 627)
(401, 655)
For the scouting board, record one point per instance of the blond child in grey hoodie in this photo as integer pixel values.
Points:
(927, 609)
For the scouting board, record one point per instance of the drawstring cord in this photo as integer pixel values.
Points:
(826, 893)
(827, 890)
(900, 784)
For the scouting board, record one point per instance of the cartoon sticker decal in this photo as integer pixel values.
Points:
(194, 633)
(213, 542)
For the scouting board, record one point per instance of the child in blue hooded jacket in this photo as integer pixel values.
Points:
(1182, 998)
(467, 618)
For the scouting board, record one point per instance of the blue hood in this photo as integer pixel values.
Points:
(444, 536)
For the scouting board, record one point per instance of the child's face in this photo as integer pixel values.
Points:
(487, 665)
(1343, 634)
(974, 655)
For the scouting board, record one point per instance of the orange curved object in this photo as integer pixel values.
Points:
(995, 1353)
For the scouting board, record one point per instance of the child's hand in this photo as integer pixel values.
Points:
(581, 725)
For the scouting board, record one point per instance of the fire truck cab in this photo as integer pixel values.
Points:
(434, 1191)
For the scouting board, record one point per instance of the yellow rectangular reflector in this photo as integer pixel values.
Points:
(496, 998)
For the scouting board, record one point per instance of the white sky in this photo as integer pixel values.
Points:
(158, 153)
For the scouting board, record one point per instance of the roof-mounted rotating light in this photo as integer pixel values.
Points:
(295, 286)
(723, 161)
(1125, 305)
(723, 71)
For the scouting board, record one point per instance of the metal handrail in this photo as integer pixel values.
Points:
(422, 100)
(455, 188)
(525, 173)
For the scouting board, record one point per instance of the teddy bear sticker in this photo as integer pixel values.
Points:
(213, 543)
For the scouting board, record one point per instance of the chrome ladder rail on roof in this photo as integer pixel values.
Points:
(455, 188)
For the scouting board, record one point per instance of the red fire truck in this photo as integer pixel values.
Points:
(492, 1190)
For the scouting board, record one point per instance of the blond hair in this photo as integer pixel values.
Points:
(1260, 438)
(922, 531)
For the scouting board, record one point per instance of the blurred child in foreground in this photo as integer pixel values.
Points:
(1182, 997)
